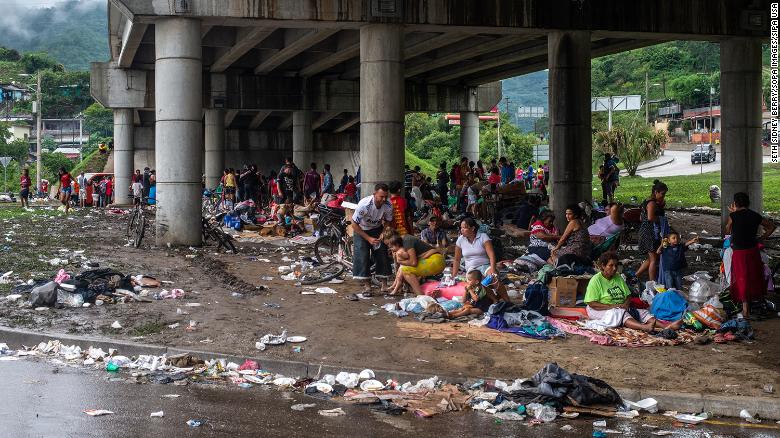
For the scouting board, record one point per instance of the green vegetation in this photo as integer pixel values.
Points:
(72, 32)
(149, 328)
(692, 190)
(634, 145)
(427, 168)
(95, 162)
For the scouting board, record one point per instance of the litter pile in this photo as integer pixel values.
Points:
(91, 287)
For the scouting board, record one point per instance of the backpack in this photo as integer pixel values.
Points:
(537, 298)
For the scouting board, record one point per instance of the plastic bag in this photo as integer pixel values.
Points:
(649, 293)
(69, 299)
(702, 290)
(45, 295)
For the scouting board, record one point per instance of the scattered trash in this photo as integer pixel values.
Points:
(600, 423)
(332, 412)
(158, 414)
(769, 389)
(324, 290)
(302, 406)
(296, 339)
(116, 325)
(97, 412)
(690, 419)
(747, 416)
(271, 339)
(194, 423)
(171, 396)
(662, 432)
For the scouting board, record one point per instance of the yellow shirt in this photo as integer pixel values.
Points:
(230, 180)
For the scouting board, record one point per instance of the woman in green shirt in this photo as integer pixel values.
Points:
(607, 298)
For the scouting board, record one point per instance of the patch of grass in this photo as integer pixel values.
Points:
(92, 163)
(20, 321)
(150, 328)
(427, 168)
(692, 190)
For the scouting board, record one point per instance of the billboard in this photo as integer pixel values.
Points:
(619, 103)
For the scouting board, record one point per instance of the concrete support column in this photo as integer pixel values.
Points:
(381, 105)
(469, 135)
(123, 154)
(303, 151)
(740, 104)
(214, 161)
(178, 130)
(570, 121)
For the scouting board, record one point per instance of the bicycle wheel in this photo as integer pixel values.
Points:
(131, 225)
(322, 273)
(326, 248)
(220, 239)
(139, 230)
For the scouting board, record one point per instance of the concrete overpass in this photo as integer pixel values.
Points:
(198, 85)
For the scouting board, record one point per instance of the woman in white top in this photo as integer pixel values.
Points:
(477, 252)
(609, 225)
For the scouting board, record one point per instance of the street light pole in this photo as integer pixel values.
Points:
(38, 136)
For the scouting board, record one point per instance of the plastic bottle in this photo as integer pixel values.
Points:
(111, 367)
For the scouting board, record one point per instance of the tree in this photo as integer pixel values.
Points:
(52, 161)
(7, 54)
(633, 145)
(17, 149)
(34, 61)
(48, 143)
(99, 120)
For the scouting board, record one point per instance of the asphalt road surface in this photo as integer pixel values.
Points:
(42, 399)
(681, 165)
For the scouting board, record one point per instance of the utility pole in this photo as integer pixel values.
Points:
(38, 136)
(498, 129)
(609, 119)
(647, 99)
(81, 135)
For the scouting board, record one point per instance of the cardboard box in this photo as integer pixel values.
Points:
(565, 290)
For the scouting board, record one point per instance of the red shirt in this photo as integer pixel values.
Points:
(24, 182)
(494, 178)
(350, 189)
(399, 214)
(65, 181)
(109, 184)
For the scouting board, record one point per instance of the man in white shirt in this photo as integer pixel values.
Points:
(373, 213)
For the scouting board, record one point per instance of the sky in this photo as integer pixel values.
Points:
(14, 11)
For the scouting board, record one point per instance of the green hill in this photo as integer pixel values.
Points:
(73, 32)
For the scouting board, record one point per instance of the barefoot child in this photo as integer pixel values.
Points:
(478, 298)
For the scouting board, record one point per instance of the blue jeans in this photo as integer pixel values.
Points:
(364, 254)
(673, 280)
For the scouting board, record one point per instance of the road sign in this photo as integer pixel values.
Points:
(619, 103)
(5, 161)
(530, 112)
(541, 153)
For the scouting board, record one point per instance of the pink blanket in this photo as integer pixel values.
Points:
(449, 293)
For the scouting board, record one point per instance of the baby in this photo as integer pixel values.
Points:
(478, 298)
(673, 259)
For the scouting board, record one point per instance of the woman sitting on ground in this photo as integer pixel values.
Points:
(607, 298)
(575, 241)
(609, 225)
(416, 258)
(543, 236)
(476, 250)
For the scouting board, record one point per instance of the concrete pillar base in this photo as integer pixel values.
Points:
(740, 91)
(570, 121)
(303, 150)
(469, 135)
(214, 159)
(178, 130)
(123, 154)
(381, 105)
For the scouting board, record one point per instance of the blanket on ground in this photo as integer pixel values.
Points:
(621, 336)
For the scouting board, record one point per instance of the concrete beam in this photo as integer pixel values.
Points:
(489, 62)
(459, 53)
(204, 29)
(246, 40)
(323, 119)
(293, 49)
(230, 115)
(133, 34)
(258, 119)
(329, 61)
(352, 121)
(695, 19)
(116, 87)
(434, 43)
(286, 123)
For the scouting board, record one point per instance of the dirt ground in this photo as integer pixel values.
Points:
(339, 332)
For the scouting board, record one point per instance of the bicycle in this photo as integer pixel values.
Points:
(212, 232)
(136, 226)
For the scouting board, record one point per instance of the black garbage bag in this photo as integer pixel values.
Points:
(44, 295)
(553, 384)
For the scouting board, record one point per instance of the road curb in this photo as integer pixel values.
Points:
(642, 169)
(726, 406)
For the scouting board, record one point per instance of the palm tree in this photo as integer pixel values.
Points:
(633, 146)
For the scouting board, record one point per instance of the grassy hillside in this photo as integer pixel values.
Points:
(427, 168)
(92, 163)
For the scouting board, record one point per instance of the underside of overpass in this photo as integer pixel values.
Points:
(198, 85)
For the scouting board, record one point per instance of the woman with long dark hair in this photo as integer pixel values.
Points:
(651, 229)
(747, 270)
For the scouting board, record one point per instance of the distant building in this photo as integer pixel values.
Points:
(19, 131)
(13, 93)
(71, 153)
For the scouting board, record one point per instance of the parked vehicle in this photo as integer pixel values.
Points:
(704, 152)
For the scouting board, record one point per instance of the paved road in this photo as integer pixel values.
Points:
(681, 165)
(42, 399)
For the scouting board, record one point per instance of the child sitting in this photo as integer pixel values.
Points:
(434, 235)
(673, 259)
(478, 298)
